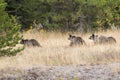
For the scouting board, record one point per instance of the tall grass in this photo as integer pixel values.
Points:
(55, 50)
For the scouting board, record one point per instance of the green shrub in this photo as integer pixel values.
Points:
(9, 33)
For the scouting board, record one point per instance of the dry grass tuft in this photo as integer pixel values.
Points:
(55, 50)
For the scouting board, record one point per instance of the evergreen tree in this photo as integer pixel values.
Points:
(9, 33)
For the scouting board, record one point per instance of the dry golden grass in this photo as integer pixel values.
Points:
(55, 50)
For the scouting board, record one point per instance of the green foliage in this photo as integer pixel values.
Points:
(63, 14)
(9, 33)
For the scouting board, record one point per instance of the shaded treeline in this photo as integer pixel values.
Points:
(66, 15)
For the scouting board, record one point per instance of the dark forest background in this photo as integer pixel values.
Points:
(66, 15)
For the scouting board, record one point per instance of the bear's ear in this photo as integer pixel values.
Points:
(70, 35)
(93, 34)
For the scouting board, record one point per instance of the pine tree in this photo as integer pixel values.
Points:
(9, 33)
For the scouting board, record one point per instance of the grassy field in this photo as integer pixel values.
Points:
(55, 50)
